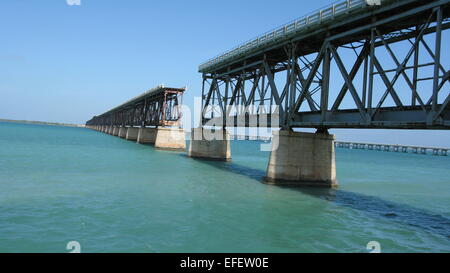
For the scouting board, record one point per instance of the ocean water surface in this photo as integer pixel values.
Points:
(61, 184)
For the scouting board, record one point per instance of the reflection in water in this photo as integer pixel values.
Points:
(375, 206)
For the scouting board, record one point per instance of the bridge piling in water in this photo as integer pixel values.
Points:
(210, 145)
(302, 159)
(170, 139)
(123, 132)
(116, 131)
(146, 135)
(132, 134)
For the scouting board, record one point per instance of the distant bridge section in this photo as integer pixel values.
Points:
(153, 117)
(392, 148)
(160, 106)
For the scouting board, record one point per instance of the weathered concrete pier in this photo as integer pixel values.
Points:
(132, 133)
(305, 157)
(153, 117)
(210, 144)
(147, 135)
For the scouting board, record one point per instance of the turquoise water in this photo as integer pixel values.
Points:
(60, 184)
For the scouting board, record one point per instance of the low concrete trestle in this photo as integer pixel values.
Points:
(392, 148)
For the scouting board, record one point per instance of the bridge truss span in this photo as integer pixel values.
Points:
(160, 106)
(378, 67)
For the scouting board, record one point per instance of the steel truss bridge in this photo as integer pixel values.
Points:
(159, 106)
(351, 65)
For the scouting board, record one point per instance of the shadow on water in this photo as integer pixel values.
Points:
(372, 205)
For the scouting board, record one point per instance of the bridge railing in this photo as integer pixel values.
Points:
(302, 23)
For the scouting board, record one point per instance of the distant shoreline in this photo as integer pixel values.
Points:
(41, 123)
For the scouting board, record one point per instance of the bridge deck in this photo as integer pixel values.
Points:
(313, 29)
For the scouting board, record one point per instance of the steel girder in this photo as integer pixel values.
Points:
(387, 73)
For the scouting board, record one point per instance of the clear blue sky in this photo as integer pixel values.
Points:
(66, 63)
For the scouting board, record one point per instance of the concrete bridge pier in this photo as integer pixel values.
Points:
(302, 159)
(210, 145)
(163, 138)
(170, 139)
(132, 134)
(146, 135)
(123, 132)
(115, 131)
